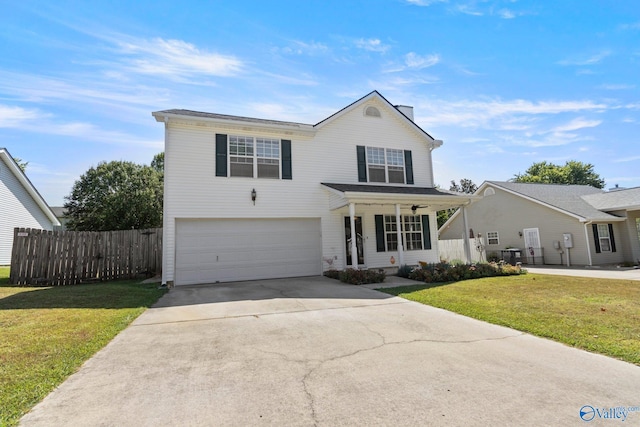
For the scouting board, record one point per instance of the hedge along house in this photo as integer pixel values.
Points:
(553, 224)
(248, 198)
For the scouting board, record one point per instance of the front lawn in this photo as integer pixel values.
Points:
(46, 333)
(597, 315)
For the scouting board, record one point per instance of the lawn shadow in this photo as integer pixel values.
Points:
(106, 295)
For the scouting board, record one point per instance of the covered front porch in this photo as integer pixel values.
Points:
(388, 226)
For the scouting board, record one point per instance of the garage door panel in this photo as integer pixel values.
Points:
(209, 251)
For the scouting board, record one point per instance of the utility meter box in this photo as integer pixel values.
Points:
(568, 240)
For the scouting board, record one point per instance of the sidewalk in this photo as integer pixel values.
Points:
(594, 272)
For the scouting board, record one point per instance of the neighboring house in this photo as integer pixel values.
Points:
(61, 213)
(20, 205)
(554, 224)
(248, 198)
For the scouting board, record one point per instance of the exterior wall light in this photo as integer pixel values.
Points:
(253, 196)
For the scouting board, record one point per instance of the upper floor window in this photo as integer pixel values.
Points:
(254, 157)
(251, 157)
(385, 165)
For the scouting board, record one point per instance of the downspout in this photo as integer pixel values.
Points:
(586, 236)
(465, 236)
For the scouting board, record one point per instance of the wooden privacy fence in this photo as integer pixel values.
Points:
(42, 257)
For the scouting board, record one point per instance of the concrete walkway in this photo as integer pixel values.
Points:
(594, 272)
(316, 352)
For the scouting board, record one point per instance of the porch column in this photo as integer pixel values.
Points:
(465, 236)
(354, 236)
(399, 231)
(586, 239)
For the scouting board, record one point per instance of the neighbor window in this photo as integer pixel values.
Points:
(638, 227)
(254, 157)
(492, 238)
(604, 237)
(411, 232)
(385, 165)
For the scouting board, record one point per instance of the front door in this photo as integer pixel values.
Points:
(359, 242)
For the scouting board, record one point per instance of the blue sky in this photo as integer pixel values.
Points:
(505, 83)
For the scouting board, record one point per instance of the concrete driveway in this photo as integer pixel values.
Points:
(315, 352)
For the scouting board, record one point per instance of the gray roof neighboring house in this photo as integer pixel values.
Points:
(615, 200)
(572, 199)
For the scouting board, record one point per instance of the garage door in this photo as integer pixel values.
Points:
(225, 250)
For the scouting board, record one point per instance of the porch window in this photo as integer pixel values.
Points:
(390, 233)
(492, 238)
(411, 232)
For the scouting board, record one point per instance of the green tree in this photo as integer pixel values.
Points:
(21, 163)
(572, 172)
(466, 186)
(117, 195)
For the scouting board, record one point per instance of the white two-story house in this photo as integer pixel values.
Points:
(248, 198)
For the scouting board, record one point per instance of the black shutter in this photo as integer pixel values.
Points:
(380, 244)
(613, 241)
(596, 238)
(286, 159)
(408, 166)
(362, 164)
(426, 232)
(221, 154)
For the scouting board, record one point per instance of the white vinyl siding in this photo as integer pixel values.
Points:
(17, 209)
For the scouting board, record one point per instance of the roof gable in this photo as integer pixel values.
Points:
(13, 167)
(567, 199)
(390, 108)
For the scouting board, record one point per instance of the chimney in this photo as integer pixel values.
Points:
(406, 110)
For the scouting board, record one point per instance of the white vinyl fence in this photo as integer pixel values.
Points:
(450, 250)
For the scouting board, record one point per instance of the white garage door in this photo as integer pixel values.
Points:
(225, 250)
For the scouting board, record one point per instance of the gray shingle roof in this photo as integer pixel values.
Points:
(386, 189)
(614, 200)
(201, 114)
(569, 198)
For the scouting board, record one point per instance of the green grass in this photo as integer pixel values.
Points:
(597, 315)
(46, 333)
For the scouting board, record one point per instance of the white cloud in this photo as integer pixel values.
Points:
(617, 86)
(589, 60)
(576, 124)
(627, 159)
(468, 9)
(302, 48)
(633, 26)
(176, 58)
(372, 45)
(414, 61)
(425, 2)
(16, 117)
(506, 14)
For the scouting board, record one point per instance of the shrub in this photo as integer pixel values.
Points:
(362, 277)
(443, 272)
(332, 274)
(405, 270)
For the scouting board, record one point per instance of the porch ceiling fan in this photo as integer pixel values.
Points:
(414, 208)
